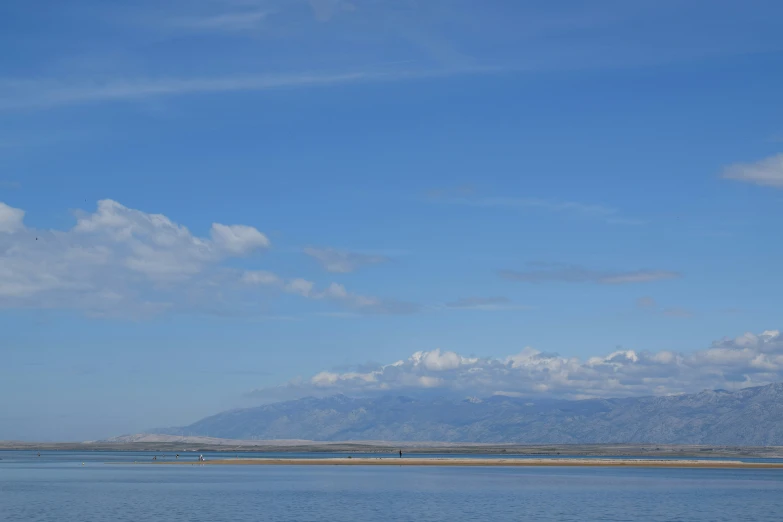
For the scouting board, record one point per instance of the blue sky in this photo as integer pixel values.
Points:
(207, 204)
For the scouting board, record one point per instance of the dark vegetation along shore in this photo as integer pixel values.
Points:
(370, 448)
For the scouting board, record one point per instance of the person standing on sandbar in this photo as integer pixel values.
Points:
(400, 453)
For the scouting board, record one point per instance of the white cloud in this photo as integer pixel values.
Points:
(260, 277)
(436, 361)
(114, 259)
(767, 172)
(238, 239)
(300, 286)
(748, 360)
(341, 261)
(11, 219)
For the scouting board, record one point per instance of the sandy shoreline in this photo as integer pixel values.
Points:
(597, 462)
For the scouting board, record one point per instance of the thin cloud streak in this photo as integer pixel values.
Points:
(545, 204)
(578, 274)
(556, 206)
(462, 196)
(678, 312)
(646, 303)
(229, 22)
(484, 303)
(41, 94)
(342, 261)
(649, 305)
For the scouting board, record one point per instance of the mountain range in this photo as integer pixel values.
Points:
(748, 417)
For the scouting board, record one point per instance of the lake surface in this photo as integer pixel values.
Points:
(109, 487)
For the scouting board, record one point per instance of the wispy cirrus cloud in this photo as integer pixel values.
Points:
(747, 360)
(466, 195)
(579, 274)
(535, 203)
(646, 303)
(677, 312)
(767, 172)
(343, 261)
(485, 303)
(650, 305)
(324, 10)
(228, 22)
(42, 93)
(447, 38)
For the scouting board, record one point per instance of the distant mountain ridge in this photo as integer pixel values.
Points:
(749, 417)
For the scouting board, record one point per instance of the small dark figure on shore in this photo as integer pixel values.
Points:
(400, 453)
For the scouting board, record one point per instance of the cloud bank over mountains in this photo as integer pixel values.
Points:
(748, 360)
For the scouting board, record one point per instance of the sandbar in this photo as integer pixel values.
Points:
(491, 462)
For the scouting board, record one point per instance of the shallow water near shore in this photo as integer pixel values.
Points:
(57, 487)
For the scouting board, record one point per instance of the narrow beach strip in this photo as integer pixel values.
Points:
(498, 462)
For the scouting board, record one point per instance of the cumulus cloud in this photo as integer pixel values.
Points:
(767, 172)
(578, 274)
(341, 261)
(748, 360)
(124, 262)
(114, 259)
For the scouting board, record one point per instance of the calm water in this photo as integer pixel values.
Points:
(56, 487)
